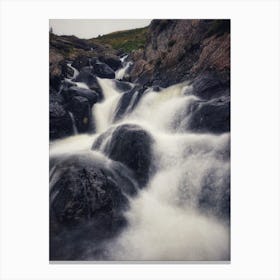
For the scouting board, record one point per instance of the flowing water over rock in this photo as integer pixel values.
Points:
(169, 180)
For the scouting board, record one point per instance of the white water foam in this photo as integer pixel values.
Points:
(164, 221)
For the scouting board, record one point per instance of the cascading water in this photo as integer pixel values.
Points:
(121, 72)
(103, 112)
(166, 220)
(75, 74)
(75, 130)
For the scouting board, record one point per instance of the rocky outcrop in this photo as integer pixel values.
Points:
(177, 50)
(80, 51)
(130, 145)
(210, 116)
(90, 95)
(87, 200)
(102, 70)
(60, 121)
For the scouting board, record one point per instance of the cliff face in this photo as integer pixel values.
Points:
(178, 50)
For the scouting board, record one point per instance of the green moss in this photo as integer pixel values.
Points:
(127, 40)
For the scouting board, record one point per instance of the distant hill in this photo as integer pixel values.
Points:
(127, 40)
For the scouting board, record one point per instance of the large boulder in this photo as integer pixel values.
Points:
(79, 102)
(91, 96)
(211, 85)
(81, 109)
(111, 60)
(214, 196)
(102, 70)
(211, 116)
(130, 145)
(80, 62)
(86, 76)
(88, 194)
(60, 121)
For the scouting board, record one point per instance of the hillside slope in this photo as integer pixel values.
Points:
(127, 40)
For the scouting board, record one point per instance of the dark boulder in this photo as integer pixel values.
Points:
(91, 96)
(130, 145)
(84, 61)
(211, 116)
(88, 195)
(54, 96)
(79, 102)
(102, 70)
(86, 76)
(60, 121)
(214, 196)
(111, 60)
(81, 110)
(55, 82)
(211, 85)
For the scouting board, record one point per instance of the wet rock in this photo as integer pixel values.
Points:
(81, 110)
(68, 83)
(211, 85)
(91, 96)
(86, 76)
(102, 70)
(60, 121)
(128, 102)
(214, 196)
(87, 200)
(111, 60)
(80, 62)
(123, 86)
(212, 116)
(130, 145)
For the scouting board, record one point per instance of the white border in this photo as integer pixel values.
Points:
(255, 138)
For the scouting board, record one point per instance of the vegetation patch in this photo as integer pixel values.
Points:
(127, 40)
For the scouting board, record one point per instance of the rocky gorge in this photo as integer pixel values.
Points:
(140, 145)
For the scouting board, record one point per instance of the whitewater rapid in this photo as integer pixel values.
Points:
(164, 220)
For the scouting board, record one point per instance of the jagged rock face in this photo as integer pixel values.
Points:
(179, 49)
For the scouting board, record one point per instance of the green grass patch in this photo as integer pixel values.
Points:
(127, 40)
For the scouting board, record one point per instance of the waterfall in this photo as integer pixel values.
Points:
(122, 71)
(103, 112)
(75, 130)
(165, 220)
(76, 72)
